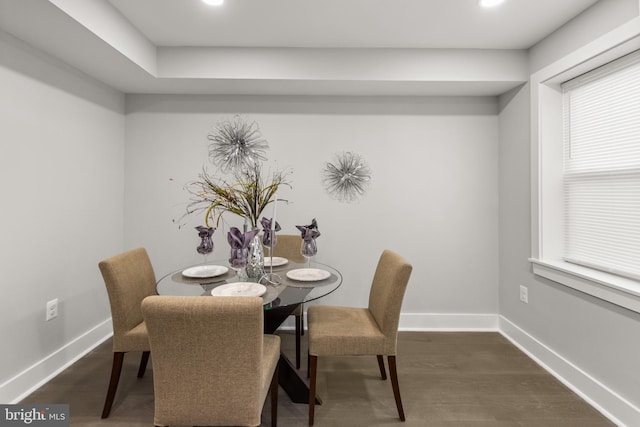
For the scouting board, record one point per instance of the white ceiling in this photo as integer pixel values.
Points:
(293, 47)
(516, 24)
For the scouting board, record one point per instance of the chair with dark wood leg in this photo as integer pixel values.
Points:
(213, 364)
(349, 331)
(129, 278)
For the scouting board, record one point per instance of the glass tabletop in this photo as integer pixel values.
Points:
(299, 283)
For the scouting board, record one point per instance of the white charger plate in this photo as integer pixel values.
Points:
(276, 261)
(239, 289)
(204, 271)
(308, 274)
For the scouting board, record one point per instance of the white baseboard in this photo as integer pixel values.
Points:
(435, 322)
(448, 322)
(29, 380)
(606, 401)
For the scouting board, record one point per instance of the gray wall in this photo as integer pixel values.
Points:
(589, 342)
(61, 180)
(433, 196)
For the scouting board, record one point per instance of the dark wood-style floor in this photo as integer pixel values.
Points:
(447, 379)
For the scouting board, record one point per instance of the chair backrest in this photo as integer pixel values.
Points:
(207, 359)
(288, 246)
(387, 292)
(129, 278)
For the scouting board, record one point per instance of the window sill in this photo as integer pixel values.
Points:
(608, 287)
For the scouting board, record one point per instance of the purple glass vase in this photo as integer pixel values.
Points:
(206, 242)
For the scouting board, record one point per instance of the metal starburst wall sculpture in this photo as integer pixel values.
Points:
(347, 178)
(237, 145)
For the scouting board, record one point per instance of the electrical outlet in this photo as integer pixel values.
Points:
(524, 294)
(52, 309)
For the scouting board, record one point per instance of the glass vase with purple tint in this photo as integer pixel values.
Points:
(269, 240)
(238, 261)
(206, 242)
(238, 257)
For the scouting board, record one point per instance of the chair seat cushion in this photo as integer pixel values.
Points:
(335, 331)
(270, 358)
(135, 339)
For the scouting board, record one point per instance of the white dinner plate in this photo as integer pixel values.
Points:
(308, 274)
(239, 289)
(203, 271)
(276, 261)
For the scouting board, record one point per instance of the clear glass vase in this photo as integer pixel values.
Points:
(308, 249)
(255, 259)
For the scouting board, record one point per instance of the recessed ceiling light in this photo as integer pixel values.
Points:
(213, 2)
(490, 3)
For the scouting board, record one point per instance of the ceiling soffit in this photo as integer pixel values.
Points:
(95, 38)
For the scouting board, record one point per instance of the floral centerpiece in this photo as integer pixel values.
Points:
(246, 196)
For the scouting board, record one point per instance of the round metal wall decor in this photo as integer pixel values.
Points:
(347, 177)
(237, 145)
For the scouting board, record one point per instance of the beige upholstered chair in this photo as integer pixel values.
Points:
(342, 331)
(129, 278)
(212, 363)
(288, 246)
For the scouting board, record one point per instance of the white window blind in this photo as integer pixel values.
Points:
(602, 167)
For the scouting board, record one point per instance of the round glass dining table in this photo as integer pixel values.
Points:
(296, 284)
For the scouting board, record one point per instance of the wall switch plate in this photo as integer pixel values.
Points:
(52, 309)
(524, 294)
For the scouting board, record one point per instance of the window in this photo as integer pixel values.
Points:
(585, 176)
(601, 132)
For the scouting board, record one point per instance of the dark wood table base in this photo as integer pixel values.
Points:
(292, 383)
(288, 377)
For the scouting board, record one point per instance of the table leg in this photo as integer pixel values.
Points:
(288, 376)
(292, 383)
